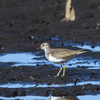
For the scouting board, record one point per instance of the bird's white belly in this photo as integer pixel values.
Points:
(55, 60)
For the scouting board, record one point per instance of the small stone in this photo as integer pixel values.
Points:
(62, 13)
(70, 64)
(48, 75)
(32, 37)
(92, 46)
(2, 47)
(96, 28)
(98, 24)
(98, 7)
(83, 87)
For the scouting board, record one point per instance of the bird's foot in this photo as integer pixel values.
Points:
(62, 75)
(56, 75)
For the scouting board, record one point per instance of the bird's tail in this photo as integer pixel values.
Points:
(81, 51)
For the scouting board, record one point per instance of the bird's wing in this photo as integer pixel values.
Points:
(63, 53)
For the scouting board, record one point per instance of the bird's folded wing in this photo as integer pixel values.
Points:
(63, 53)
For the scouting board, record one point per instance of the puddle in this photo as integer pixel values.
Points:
(25, 98)
(89, 97)
(17, 57)
(86, 46)
(90, 63)
(19, 85)
(22, 59)
(83, 97)
(89, 82)
(30, 59)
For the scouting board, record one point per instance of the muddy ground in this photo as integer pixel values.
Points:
(25, 24)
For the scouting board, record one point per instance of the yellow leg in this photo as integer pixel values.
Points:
(63, 70)
(59, 71)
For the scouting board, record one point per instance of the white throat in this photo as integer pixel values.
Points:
(45, 50)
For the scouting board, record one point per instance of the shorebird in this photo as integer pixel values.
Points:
(59, 55)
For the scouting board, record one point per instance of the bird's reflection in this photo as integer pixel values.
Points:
(63, 98)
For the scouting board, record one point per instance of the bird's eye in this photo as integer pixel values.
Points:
(43, 45)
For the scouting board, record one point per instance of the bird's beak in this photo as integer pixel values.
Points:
(38, 48)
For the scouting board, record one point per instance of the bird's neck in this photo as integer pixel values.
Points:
(47, 52)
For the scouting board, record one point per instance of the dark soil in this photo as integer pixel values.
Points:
(25, 24)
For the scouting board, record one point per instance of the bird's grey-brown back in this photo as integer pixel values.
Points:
(63, 53)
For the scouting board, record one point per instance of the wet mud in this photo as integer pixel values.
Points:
(24, 25)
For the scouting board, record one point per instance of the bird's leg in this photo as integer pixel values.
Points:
(59, 71)
(63, 70)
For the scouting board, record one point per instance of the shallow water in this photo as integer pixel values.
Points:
(86, 46)
(84, 97)
(89, 97)
(25, 98)
(21, 85)
(32, 59)
(22, 59)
